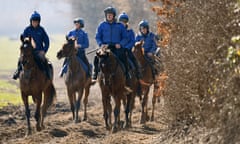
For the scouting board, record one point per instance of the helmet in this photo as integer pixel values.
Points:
(123, 17)
(80, 21)
(111, 10)
(35, 16)
(143, 23)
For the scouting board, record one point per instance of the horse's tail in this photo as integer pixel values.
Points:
(50, 95)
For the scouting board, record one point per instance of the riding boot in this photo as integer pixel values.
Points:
(62, 71)
(17, 72)
(151, 62)
(96, 68)
(47, 69)
(50, 70)
(139, 74)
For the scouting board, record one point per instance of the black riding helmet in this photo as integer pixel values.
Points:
(111, 10)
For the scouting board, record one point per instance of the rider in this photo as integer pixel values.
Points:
(149, 45)
(82, 43)
(123, 18)
(112, 34)
(41, 39)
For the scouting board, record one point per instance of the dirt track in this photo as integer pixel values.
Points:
(59, 127)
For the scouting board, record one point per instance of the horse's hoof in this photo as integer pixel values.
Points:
(152, 118)
(28, 133)
(38, 128)
(77, 121)
(147, 118)
(114, 129)
(85, 118)
(108, 127)
(128, 125)
(142, 121)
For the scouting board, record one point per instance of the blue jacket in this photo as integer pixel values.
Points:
(82, 38)
(111, 34)
(130, 39)
(39, 36)
(149, 42)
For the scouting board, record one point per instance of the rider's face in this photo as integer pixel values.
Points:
(35, 23)
(109, 16)
(77, 25)
(143, 30)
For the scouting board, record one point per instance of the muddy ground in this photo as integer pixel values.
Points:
(60, 128)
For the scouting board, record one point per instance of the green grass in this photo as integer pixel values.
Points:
(9, 90)
(9, 93)
(7, 98)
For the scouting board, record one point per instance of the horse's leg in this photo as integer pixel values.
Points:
(78, 104)
(105, 103)
(109, 110)
(37, 116)
(71, 101)
(127, 109)
(27, 113)
(154, 99)
(144, 107)
(85, 101)
(116, 112)
(43, 110)
(49, 97)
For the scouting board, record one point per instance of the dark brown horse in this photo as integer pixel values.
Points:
(147, 77)
(112, 82)
(34, 82)
(76, 80)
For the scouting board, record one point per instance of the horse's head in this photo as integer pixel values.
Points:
(103, 52)
(68, 49)
(138, 49)
(26, 49)
(107, 59)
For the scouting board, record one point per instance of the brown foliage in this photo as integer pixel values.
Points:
(202, 89)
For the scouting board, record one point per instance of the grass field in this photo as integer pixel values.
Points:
(9, 90)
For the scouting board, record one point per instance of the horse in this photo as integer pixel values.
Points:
(76, 80)
(34, 82)
(112, 82)
(147, 77)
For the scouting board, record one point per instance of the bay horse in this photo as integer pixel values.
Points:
(34, 82)
(138, 51)
(76, 80)
(112, 82)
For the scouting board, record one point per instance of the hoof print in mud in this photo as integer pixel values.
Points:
(58, 133)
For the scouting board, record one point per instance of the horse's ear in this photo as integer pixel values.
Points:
(21, 38)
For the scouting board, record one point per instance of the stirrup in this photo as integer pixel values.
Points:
(143, 82)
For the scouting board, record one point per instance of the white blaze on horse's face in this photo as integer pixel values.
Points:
(25, 45)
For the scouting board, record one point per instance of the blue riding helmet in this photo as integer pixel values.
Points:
(35, 16)
(123, 17)
(80, 21)
(144, 24)
(111, 10)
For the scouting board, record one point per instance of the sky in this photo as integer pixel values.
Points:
(15, 14)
